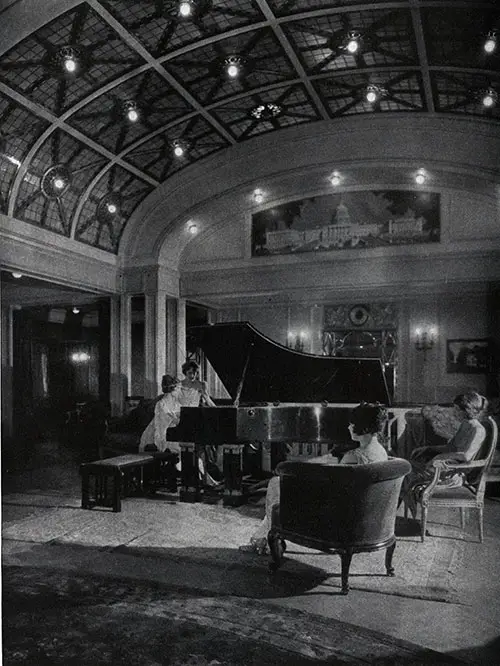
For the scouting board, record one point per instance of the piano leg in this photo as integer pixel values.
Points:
(233, 474)
(191, 489)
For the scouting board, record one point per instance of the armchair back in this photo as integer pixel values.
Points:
(341, 505)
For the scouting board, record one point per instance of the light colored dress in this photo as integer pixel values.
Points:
(167, 415)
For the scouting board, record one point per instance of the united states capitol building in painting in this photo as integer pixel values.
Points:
(348, 226)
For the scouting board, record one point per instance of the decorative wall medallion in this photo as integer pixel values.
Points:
(358, 315)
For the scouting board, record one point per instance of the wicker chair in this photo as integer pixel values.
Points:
(468, 496)
(342, 509)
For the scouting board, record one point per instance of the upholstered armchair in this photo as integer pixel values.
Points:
(470, 495)
(342, 509)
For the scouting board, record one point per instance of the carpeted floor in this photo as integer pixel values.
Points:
(64, 618)
(187, 536)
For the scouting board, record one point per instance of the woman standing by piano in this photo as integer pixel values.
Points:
(367, 425)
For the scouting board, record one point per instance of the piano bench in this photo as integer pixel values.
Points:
(106, 482)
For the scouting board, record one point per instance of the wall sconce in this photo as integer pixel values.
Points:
(425, 338)
(297, 340)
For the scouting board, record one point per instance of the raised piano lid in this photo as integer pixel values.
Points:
(254, 368)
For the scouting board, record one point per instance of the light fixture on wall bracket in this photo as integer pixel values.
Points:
(491, 42)
(297, 339)
(234, 66)
(425, 338)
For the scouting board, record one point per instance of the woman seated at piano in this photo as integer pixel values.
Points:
(166, 415)
(367, 425)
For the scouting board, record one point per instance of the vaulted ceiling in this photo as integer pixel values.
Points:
(72, 162)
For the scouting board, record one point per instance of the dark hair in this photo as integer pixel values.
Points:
(369, 418)
(189, 365)
(168, 383)
(472, 404)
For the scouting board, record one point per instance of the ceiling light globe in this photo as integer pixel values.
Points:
(178, 151)
(233, 71)
(185, 9)
(193, 229)
(76, 310)
(70, 65)
(132, 115)
(335, 180)
(490, 45)
(371, 96)
(59, 183)
(111, 208)
(17, 275)
(352, 46)
(420, 179)
(488, 100)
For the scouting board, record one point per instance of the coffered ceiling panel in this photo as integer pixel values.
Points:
(105, 102)
(105, 118)
(105, 212)
(196, 137)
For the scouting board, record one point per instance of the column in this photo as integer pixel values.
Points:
(117, 382)
(7, 371)
(125, 341)
(181, 334)
(151, 388)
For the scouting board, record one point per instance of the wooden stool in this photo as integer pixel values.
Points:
(115, 478)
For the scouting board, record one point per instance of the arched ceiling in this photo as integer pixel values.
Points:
(423, 56)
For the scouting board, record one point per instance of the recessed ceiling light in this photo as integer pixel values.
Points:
(420, 177)
(353, 42)
(490, 98)
(185, 8)
(258, 196)
(491, 43)
(233, 65)
(70, 65)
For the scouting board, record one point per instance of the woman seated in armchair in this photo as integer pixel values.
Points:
(367, 424)
(462, 447)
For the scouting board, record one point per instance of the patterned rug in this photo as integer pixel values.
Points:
(179, 540)
(64, 618)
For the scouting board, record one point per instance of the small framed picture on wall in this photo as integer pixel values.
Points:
(468, 356)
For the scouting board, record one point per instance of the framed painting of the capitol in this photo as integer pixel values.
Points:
(358, 219)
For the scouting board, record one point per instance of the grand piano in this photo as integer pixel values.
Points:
(277, 395)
